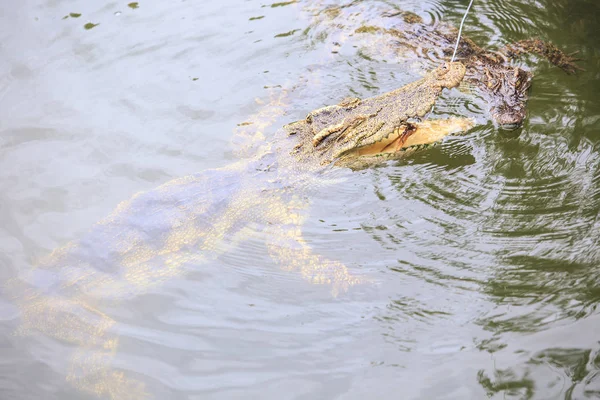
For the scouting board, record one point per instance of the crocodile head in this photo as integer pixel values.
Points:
(333, 132)
(403, 140)
(507, 91)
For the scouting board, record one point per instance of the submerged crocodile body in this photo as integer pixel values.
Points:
(162, 233)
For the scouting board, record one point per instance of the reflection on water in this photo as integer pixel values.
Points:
(467, 270)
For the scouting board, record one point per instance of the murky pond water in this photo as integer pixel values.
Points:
(469, 270)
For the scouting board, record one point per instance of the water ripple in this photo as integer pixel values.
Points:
(482, 251)
(507, 17)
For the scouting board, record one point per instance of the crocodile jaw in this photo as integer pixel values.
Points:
(414, 134)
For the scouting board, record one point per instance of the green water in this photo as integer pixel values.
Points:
(479, 258)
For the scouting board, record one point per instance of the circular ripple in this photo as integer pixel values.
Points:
(507, 17)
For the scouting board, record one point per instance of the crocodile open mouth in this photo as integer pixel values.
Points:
(415, 134)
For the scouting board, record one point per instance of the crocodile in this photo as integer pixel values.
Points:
(403, 34)
(162, 233)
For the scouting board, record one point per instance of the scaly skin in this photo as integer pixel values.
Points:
(157, 235)
(331, 132)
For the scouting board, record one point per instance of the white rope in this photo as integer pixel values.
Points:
(460, 30)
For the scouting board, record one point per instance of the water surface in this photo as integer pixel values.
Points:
(477, 261)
